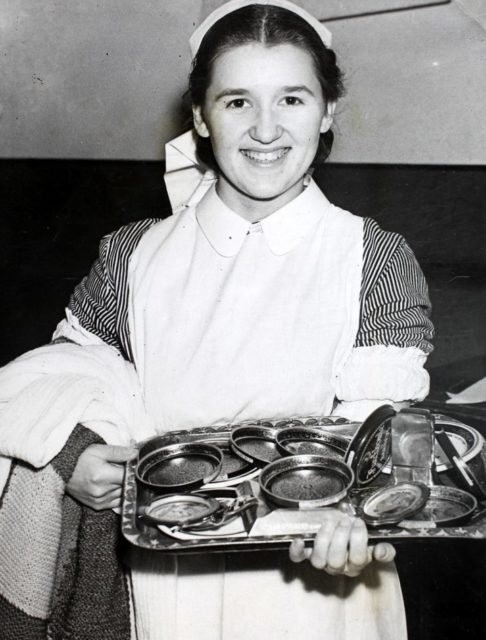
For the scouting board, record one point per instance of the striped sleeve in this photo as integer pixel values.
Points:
(100, 301)
(394, 305)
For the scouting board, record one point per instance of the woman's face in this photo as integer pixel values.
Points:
(264, 112)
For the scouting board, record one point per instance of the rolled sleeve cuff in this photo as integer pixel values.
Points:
(378, 375)
(71, 329)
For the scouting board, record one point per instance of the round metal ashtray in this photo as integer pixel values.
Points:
(181, 466)
(304, 440)
(234, 468)
(255, 444)
(370, 448)
(180, 509)
(305, 481)
(467, 441)
(446, 507)
(394, 503)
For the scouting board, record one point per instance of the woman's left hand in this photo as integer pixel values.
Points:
(341, 546)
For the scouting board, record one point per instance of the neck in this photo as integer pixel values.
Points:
(252, 209)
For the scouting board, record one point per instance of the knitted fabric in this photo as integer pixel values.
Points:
(60, 577)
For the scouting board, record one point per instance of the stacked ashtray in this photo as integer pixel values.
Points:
(173, 474)
(380, 472)
(422, 454)
(302, 466)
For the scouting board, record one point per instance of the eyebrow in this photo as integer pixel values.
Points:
(231, 92)
(299, 88)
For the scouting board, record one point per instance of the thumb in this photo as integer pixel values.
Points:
(115, 453)
(384, 552)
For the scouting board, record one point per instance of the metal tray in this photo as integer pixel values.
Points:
(143, 535)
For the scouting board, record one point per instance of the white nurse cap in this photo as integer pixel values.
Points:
(234, 5)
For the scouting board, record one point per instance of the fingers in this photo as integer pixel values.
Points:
(359, 555)
(337, 553)
(110, 500)
(106, 475)
(109, 471)
(97, 478)
(331, 544)
(334, 531)
(347, 549)
(113, 453)
(341, 547)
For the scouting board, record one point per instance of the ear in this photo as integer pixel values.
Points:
(199, 123)
(328, 117)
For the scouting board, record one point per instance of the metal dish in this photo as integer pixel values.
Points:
(446, 506)
(179, 467)
(465, 439)
(303, 440)
(180, 509)
(234, 468)
(370, 448)
(394, 503)
(305, 481)
(255, 444)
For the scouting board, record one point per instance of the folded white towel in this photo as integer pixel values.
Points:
(46, 392)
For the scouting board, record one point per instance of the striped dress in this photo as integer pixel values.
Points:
(394, 302)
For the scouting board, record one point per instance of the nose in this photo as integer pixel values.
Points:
(266, 128)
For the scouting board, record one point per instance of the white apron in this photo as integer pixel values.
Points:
(261, 333)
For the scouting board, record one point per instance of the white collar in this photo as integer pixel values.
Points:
(226, 231)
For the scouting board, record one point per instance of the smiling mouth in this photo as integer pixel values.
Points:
(266, 157)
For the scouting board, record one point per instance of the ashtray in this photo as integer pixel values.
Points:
(467, 441)
(370, 449)
(180, 509)
(255, 444)
(394, 503)
(308, 441)
(305, 481)
(446, 507)
(234, 468)
(195, 511)
(179, 467)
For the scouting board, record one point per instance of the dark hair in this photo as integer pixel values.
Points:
(271, 26)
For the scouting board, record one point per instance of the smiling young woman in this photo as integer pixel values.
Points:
(265, 130)
(257, 299)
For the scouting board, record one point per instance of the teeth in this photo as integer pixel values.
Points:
(265, 157)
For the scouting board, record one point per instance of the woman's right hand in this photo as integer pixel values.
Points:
(98, 476)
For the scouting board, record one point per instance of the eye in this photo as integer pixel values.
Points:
(292, 101)
(237, 103)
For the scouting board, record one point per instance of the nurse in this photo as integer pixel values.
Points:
(258, 299)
